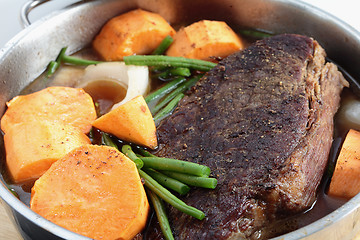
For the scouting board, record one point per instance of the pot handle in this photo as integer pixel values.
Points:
(26, 9)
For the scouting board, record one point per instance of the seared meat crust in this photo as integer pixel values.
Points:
(262, 120)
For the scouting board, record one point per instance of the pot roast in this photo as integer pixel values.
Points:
(262, 120)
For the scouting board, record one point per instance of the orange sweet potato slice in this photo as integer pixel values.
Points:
(134, 32)
(131, 122)
(205, 40)
(345, 182)
(95, 191)
(31, 147)
(64, 105)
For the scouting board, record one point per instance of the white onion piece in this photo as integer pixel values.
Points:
(134, 78)
(349, 113)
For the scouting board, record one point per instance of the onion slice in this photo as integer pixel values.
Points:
(133, 78)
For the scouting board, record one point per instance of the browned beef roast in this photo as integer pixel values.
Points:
(262, 120)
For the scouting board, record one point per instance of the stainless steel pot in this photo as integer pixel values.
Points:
(27, 54)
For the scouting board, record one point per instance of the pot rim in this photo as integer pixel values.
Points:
(16, 205)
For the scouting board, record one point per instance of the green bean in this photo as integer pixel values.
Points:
(92, 135)
(168, 109)
(168, 182)
(164, 90)
(126, 149)
(173, 72)
(12, 190)
(54, 65)
(180, 71)
(78, 61)
(161, 215)
(145, 153)
(181, 89)
(164, 45)
(169, 61)
(175, 165)
(258, 34)
(164, 75)
(106, 140)
(169, 197)
(191, 180)
(159, 69)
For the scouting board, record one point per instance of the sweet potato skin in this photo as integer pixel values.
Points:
(95, 191)
(345, 182)
(134, 32)
(64, 105)
(130, 122)
(31, 147)
(205, 40)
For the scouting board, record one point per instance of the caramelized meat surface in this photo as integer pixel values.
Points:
(262, 120)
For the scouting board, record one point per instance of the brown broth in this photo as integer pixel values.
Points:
(105, 94)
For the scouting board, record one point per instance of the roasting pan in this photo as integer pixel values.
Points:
(26, 56)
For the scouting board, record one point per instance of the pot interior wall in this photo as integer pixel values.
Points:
(26, 56)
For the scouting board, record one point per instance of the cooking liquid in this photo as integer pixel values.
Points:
(105, 93)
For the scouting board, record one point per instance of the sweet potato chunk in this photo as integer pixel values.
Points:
(95, 191)
(134, 32)
(205, 40)
(31, 147)
(130, 122)
(64, 105)
(345, 181)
